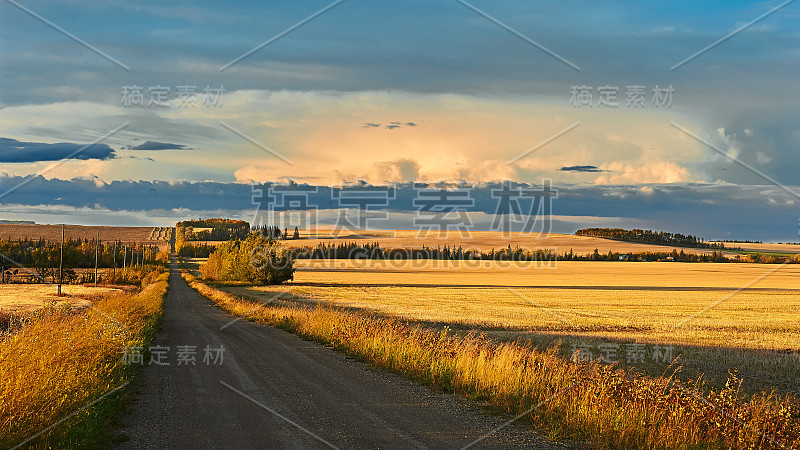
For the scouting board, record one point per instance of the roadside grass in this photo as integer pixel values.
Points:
(56, 363)
(606, 406)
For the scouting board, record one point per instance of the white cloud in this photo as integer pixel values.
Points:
(397, 171)
(457, 137)
(644, 172)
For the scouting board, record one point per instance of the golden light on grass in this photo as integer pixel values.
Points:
(609, 407)
(756, 331)
(58, 360)
(635, 301)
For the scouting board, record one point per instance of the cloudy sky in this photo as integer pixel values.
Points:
(641, 113)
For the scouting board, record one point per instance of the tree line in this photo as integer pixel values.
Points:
(36, 261)
(201, 250)
(649, 237)
(216, 230)
(274, 232)
(354, 250)
(78, 253)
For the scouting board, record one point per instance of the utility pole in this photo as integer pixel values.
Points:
(96, 248)
(61, 262)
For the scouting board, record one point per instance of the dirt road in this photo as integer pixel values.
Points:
(271, 389)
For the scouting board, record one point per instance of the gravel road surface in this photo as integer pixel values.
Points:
(274, 390)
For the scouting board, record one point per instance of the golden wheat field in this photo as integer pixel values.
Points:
(612, 408)
(715, 316)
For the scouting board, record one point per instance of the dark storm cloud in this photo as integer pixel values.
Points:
(712, 211)
(14, 151)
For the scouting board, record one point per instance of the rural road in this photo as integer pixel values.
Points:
(275, 390)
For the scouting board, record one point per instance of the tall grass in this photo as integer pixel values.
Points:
(60, 360)
(137, 275)
(608, 407)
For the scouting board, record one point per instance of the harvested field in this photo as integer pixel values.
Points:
(21, 299)
(159, 236)
(765, 248)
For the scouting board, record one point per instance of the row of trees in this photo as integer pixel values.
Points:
(256, 260)
(648, 237)
(674, 255)
(78, 253)
(353, 250)
(273, 232)
(211, 230)
(37, 261)
(202, 250)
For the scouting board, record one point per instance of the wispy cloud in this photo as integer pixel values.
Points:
(581, 169)
(153, 145)
(390, 125)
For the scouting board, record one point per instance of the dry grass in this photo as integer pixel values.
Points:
(59, 360)
(610, 408)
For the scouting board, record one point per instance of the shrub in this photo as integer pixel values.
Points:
(255, 260)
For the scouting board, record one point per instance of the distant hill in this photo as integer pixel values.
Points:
(17, 222)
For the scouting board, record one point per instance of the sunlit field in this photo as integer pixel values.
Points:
(718, 316)
(607, 407)
(21, 299)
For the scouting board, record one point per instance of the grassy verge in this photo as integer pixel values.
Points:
(62, 367)
(608, 407)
